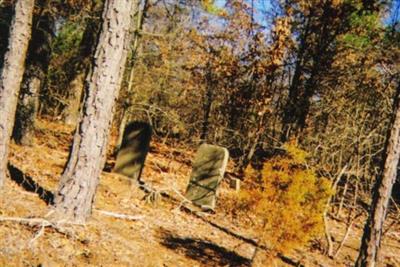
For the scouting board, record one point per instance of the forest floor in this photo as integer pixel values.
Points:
(162, 234)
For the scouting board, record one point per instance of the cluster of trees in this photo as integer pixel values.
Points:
(250, 76)
(30, 41)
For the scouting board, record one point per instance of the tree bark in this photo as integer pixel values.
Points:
(38, 60)
(207, 103)
(290, 109)
(6, 15)
(79, 181)
(81, 66)
(372, 237)
(314, 57)
(122, 125)
(11, 75)
(125, 116)
(27, 109)
(71, 113)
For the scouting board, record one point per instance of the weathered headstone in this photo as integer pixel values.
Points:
(208, 170)
(133, 151)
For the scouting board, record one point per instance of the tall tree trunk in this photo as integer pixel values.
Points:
(125, 115)
(121, 128)
(71, 112)
(75, 195)
(6, 15)
(82, 66)
(28, 106)
(289, 110)
(11, 75)
(372, 237)
(207, 103)
(313, 57)
(37, 65)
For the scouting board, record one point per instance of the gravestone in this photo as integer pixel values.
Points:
(207, 172)
(133, 151)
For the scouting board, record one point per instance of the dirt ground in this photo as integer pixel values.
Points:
(162, 232)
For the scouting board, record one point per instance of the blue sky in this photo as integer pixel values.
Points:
(220, 3)
(260, 6)
(265, 5)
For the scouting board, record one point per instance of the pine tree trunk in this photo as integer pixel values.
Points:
(71, 113)
(82, 66)
(125, 116)
(124, 121)
(371, 240)
(37, 63)
(11, 75)
(207, 103)
(75, 196)
(27, 110)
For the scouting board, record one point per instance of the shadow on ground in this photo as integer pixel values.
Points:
(203, 251)
(29, 184)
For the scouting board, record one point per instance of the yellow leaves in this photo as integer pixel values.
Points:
(209, 6)
(281, 40)
(298, 155)
(288, 197)
(336, 3)
(305, 5)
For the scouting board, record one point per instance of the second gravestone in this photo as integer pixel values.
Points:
(208, 170)
(133, 150)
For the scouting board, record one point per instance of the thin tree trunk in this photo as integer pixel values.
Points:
(326, 213)
(6, 16)
(71, 113)
(38, 60)
(11, 75)
(339, 211)
(135, 50)
(350, 224)
(207, 102)
(289, 110)
(371, 240)
(27, 109)
(121, 129)
(82, 66)
(79, 181)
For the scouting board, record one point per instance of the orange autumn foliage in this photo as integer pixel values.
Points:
(287, 199)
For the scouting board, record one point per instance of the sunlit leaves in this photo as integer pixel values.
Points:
(365, 28)
(212, 8)
(288, 199)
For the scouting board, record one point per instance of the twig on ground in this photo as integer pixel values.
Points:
(329, 250)
(120, 215)
(347, 233)
(39, 222)
(184, 199)
(37, 235)
(394, 221)
(27, 221)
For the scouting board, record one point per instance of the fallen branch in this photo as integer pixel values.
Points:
(37, 235)
(395, 221)
(28, 221)
(43, 223)
(350, 224)
(120, 215)
(329, 250)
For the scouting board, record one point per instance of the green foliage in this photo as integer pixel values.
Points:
(210, 7)
(288, 199)
(365, 26)
(65, 47)
(68, 38)
(368, 21)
